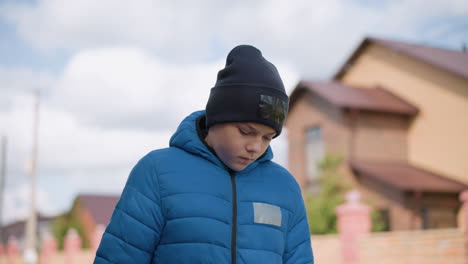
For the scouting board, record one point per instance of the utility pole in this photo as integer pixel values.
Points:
(30, 251)
(2, 183)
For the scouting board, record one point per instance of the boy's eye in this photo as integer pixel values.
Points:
(267, 138)
(243, 132)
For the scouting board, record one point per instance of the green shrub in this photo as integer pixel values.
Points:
(62, 224)
(331, 192)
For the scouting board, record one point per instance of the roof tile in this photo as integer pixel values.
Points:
(407, 177)
(99, 206)
(374, 99)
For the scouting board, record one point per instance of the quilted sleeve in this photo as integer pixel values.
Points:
(135, 227)
(298, 245)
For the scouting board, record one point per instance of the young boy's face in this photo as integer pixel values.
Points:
(239, 144)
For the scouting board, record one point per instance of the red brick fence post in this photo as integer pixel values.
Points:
(2, 252)
(72, 245)
(12, 250)
(49, 248)
(464, 200)
(353, 222)
(97, 236)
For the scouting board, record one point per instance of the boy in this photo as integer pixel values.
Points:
(215, 196)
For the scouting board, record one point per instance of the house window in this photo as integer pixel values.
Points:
(314, 154)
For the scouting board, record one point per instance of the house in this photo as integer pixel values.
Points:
(397, 113)
(17, 229)
(93, 211)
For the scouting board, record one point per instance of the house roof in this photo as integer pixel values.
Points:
(99, 206)
(452, 61)
(16, 229)
(407, 177)
(373, 99)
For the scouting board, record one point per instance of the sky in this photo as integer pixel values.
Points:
(116, 77)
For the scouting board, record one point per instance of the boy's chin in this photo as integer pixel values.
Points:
(237, 167)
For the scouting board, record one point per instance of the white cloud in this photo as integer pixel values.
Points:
(279, 146)
(66, 144)
(17, 203)
(315, 35)
(17, 83)
(124, 87)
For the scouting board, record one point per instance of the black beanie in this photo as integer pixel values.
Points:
(248, 89)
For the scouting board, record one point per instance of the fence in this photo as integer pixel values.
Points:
(49, 254)
(327, 249)
(413, 247)
(356, 245)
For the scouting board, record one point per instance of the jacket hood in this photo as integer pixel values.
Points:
(186, 137)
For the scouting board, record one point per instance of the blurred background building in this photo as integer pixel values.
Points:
(395, 112)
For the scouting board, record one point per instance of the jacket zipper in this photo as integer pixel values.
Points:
(234, 218)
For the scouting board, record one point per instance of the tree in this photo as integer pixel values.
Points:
(321, 205)
(63, 223)
(332, 191)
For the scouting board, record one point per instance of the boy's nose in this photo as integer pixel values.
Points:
(254, 146)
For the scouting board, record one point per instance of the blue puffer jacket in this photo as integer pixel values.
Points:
(183, 205)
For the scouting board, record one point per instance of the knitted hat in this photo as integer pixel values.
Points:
(248, 89)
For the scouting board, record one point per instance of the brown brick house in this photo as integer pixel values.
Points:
(93, 210)
(395, 112)
(17, 229)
